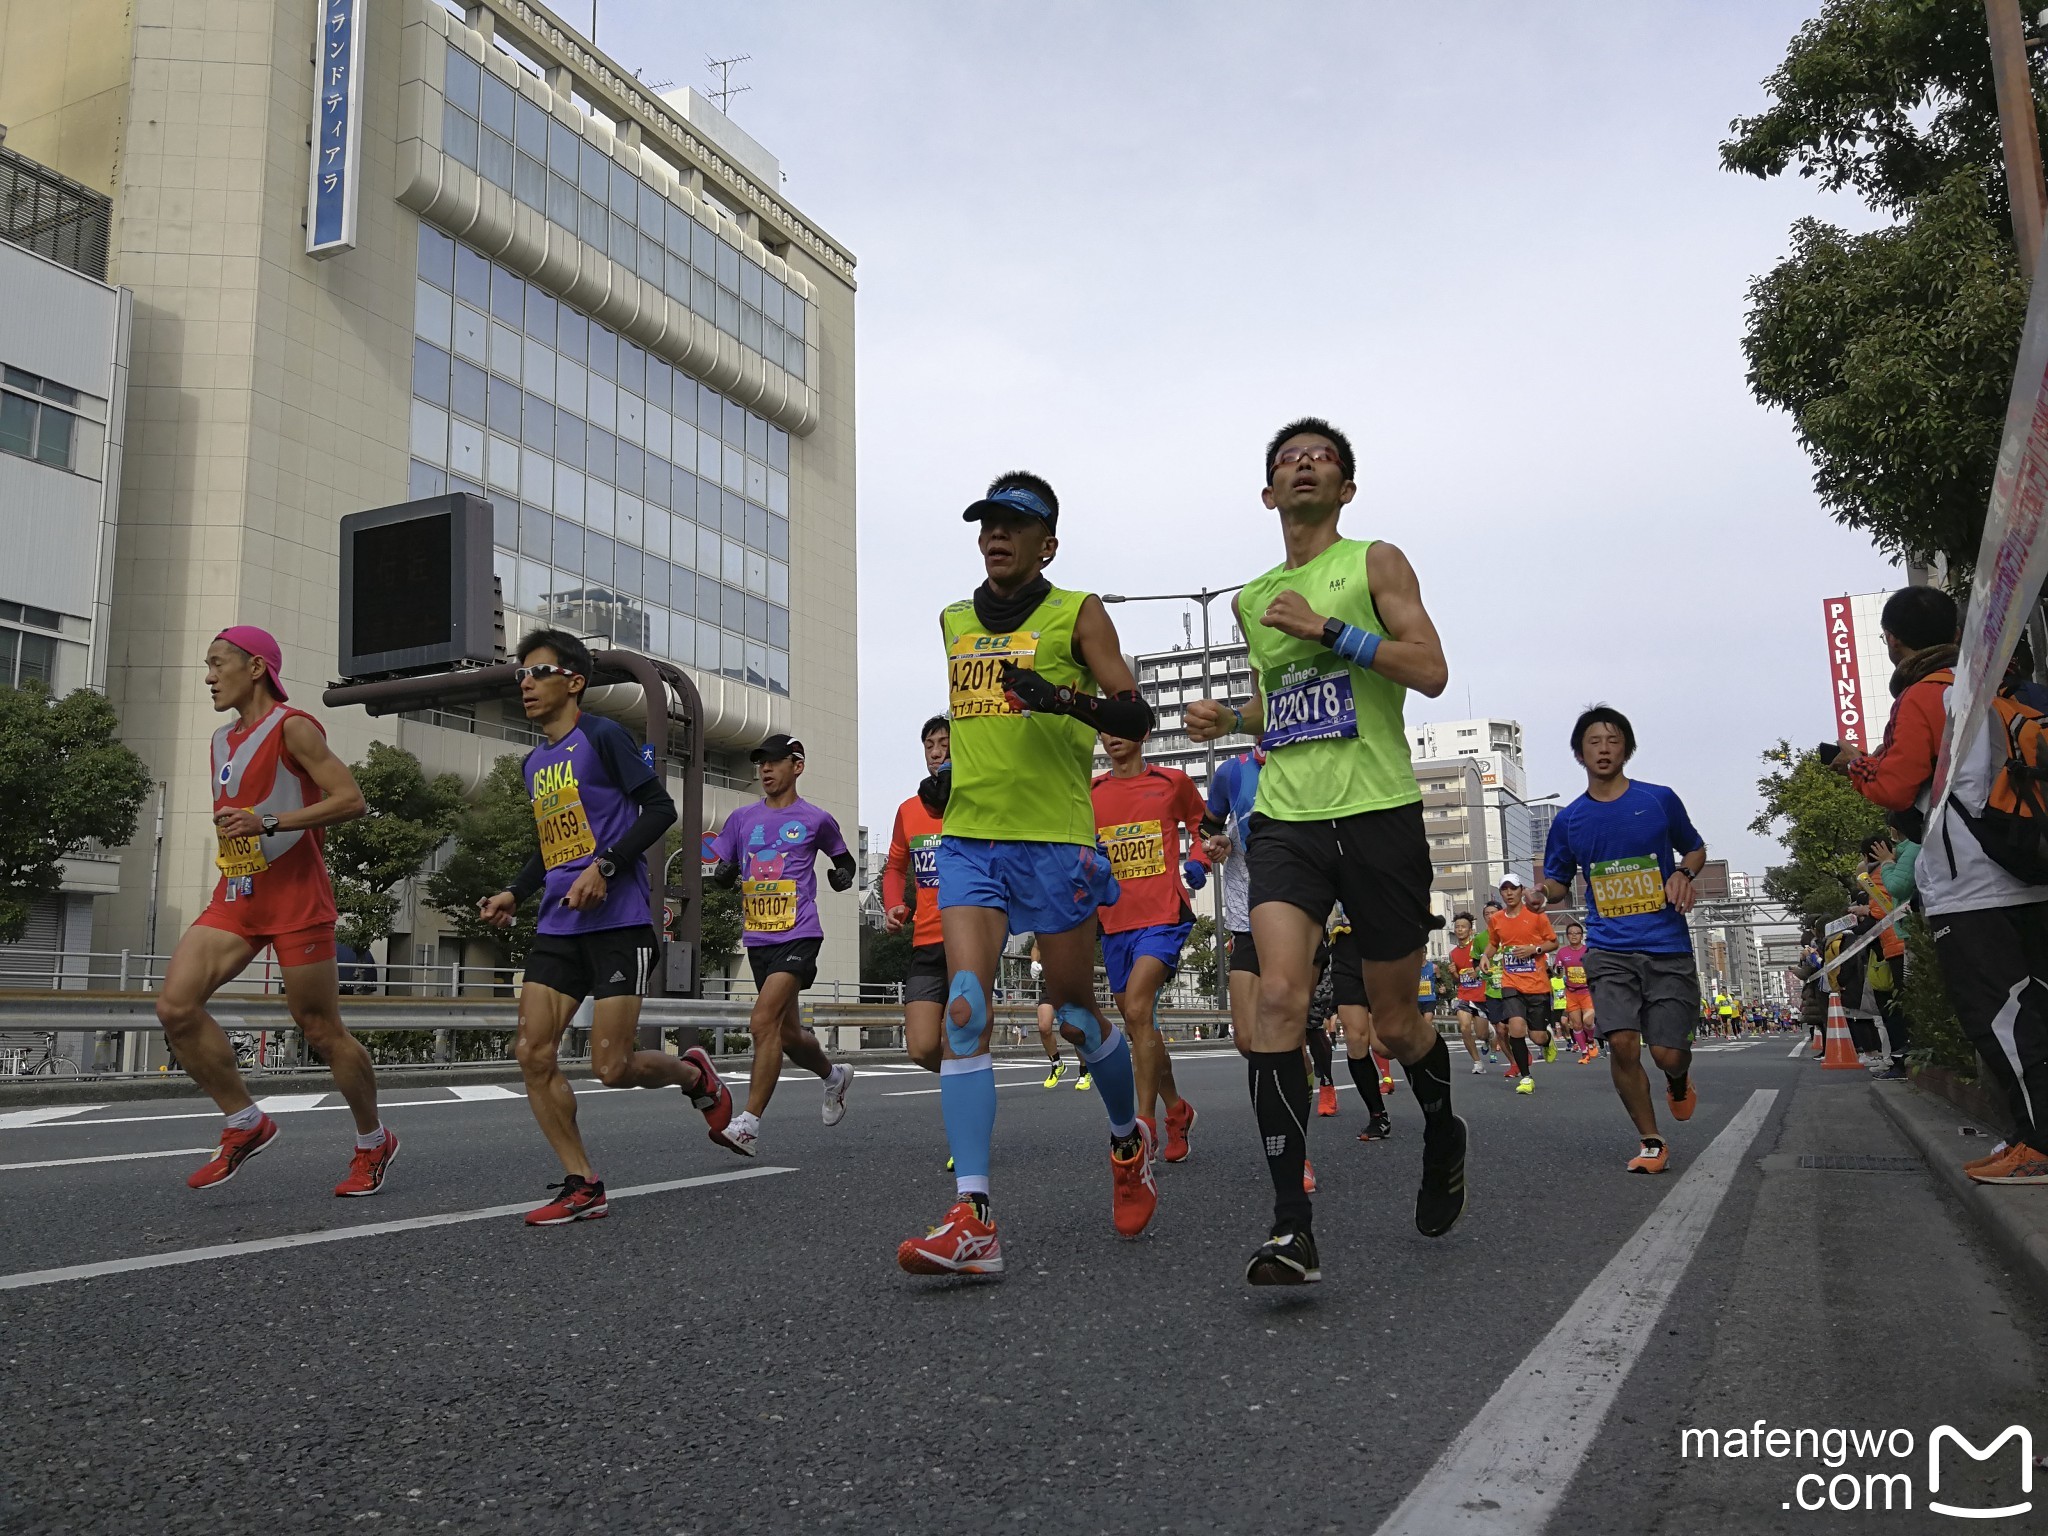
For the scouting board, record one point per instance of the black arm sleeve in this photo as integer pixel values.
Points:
(724, 875)
(657, 815)
(1126, 715)
(532, 876)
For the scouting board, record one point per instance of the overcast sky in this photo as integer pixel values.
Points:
(1120, 243)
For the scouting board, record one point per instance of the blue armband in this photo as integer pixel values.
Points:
(1357, 646)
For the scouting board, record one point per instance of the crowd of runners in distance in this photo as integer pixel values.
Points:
(1316, 833)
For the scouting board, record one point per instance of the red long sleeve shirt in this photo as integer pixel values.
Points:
(913, 853)
(1903, 764)
(1139, 821)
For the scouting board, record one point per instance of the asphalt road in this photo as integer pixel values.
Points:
(742, 1354)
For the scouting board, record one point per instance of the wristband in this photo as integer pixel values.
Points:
(1237, 715)
(1355, 645)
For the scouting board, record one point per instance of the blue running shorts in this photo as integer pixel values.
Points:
(1120, 951)
(1041, 887)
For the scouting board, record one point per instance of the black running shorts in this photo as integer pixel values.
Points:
(926, 980)
(797, 957)
(1531, 1007)
(1244, 954)
(1345, 974)
(1376, 863)
(610, 962)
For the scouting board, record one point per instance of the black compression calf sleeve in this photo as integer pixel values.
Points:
(1366, 1074)
(1319, 1050)
(1279, 1085)
(1431, 1080)
(1518, 1048)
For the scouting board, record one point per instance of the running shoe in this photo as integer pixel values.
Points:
(1285, 1258)
(2018, 1164)
(1133, 1195)
(837, 1081)
(1180, 1119)
(367, 1168)
(1151, 1134)
(1379, 1128)
(961, 1244)
(1059, 1070)
(740, 1134)
(1478, 1067)
(1550, 1050)
(1512, 1072)
(1326, 1099)
(580, 1199)
(1987, 1159)
(1526, 1085)
(1308, 1177)
(236, 1148)
(1084, 1082)
(1681, 1109)
(1441, 1199)
(1654, 1157)
(710, 1095)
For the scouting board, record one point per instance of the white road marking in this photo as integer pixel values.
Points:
(118, 1157)
(483, 1093)
(1801, 1046)
(386, 1105)
(918, 1093)
(291, 1103)
(21, 1119)
(35, 1277)
(1507, 1471)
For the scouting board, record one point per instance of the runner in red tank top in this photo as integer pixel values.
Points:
(275, 787)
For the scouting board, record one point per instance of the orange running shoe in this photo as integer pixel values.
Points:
(236, 1148)
(1681, 1109)
(367, 1168)
(1654, 1158)
(2019, 1164)
(961, 1244)
(1308, 1177)
(1180, 1119)
(1133, 1195)
(710, 1097)
(1987, 1159)
(1151, 1134)
(1326, 1099)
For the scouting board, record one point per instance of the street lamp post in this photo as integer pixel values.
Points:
(1204, 597)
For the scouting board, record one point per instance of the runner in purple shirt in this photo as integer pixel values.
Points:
(770, 852)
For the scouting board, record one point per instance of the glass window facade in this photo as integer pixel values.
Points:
(571, 182)
(631, 500)
(35, 429)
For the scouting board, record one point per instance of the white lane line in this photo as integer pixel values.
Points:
(35, 1277)
(291, 1103)
(483, 1093)
(1507, 1471)
(117, 1157)
(1801, 1046)
(918, 1093)
(386, 1105)
(21, 1119)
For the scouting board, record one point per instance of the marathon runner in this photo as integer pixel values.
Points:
(1523, 938)
(1371, 1073)
(1337, 634)
(598, 809)
(1024, 661)
(276, 786)
(1578, 999)
(1140, 812)
(1534, 899)
(770, 851)
(1232, 791)
(1640, 855)
(910, 897)
(1473, 1025)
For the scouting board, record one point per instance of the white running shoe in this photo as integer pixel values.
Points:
(1478, 1067)
(740, 1133)
(836, 1083)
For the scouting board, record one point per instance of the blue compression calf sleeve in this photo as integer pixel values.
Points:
(966, 1039)
(1110, 1064)
(967, 1099)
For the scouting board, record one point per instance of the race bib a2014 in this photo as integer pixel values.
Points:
(1318, 708)
(1136, 849)
(768, 906)
(1627, 887)
(974, 671)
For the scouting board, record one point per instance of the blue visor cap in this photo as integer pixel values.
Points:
(1013, 499)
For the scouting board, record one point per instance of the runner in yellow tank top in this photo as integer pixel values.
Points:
(1024, 662)
(1337, 634)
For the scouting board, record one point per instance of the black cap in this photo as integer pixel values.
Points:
(777, 747)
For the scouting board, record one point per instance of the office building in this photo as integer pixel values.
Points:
(472, 253)
(1495, 747)
(1454, 814)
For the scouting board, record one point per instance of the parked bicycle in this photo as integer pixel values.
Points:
(36, 1059)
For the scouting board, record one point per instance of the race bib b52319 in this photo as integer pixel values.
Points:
(1628, 887)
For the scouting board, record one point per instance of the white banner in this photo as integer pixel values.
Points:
(1829, 967)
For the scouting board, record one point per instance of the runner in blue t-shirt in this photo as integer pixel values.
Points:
(598, 809)
(1225, 830)
(1639, 854)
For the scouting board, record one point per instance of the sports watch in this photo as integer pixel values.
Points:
(268, 822)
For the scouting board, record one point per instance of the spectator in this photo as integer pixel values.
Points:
(356, 969)
(1990, 928)
(1813, 994)
(1887, 972)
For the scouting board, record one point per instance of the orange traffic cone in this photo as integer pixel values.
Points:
(1841, 1051)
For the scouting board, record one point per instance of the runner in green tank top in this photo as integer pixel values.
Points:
(1338, 635)
(1028, 665)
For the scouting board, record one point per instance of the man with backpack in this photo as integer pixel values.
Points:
(1989, 920)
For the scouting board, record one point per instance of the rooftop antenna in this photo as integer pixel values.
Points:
(657, 86)
(722, 94)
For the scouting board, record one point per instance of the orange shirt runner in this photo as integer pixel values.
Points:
(1139, 821)
(913, 854)
(272, 890)
(1525, 927)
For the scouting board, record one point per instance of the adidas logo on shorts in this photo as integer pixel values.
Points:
(618, 976)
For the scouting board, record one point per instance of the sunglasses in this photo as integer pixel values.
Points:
(1322, 453)
(541, 671)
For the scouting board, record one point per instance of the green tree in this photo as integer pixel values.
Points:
(720, 927)
(884, 957)
(1198, 958)
(410, 816)
(1824, 824)
(494, 837)
(1892, 352)
(65, 782)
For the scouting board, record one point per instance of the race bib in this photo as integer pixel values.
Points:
(768, 906)
(974, 672)
(1136, 849)
(924, 860)
(1469, 980)
(1519, 967)
(241, 857)
(1314, 709)
(1627, 887)
(1425, 988)
(564, 829)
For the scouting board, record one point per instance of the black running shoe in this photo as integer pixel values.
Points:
(1379, 1128)
(1441, 1199)
(1285, 1258)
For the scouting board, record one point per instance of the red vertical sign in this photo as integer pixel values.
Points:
(1844, 676)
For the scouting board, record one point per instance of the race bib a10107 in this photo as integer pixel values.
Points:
(768, 906)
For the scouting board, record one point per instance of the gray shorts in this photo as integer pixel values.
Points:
(926, 980)
(1658, 996)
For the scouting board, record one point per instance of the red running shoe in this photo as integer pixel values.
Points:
(1326, 1099)
(236, 1148)
(1151, 1134)
(1308, 1177)
(580, 1199)
(367, 1168)
(1180, 1120)
(711, 1095)
(1133, 1194)
(962, 1244)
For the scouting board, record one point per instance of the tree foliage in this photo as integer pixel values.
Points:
(1893, 352)
(410, 816)
(721, 926)
(65, 782)
(1822, 822)
(884, 957)
(494, 837)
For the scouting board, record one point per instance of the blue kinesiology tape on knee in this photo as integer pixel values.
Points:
(967, 1100)
(966, 1038)
(1110, 1066)
(1074, 1016)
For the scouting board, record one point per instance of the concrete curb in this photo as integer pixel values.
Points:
(2014, 1217)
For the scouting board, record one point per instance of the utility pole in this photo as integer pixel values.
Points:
(2019, 127)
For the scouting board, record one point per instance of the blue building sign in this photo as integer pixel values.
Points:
(337, 129)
